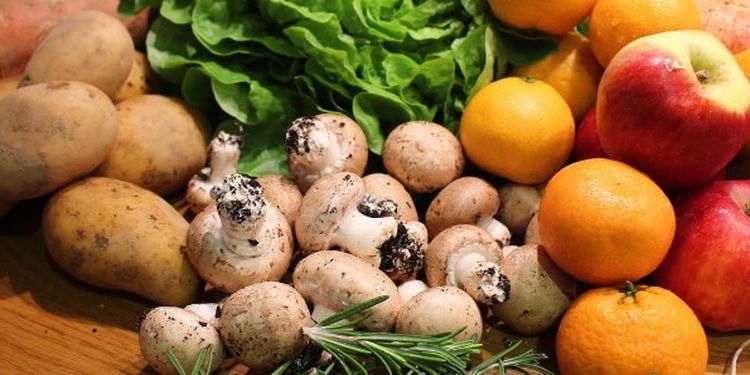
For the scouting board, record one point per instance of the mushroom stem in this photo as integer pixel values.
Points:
(411, 288)
(481, 279)
(404, 252)
(363, 236)
(224, 154)
(496, 229)
(319, 147)
(242, 210)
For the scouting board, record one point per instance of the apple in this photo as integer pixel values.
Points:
(729, 20)
(587, 144)
(708, 265)
(676, 106)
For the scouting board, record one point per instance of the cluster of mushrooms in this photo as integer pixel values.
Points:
(338, 238)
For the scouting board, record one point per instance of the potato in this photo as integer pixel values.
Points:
(51, 134)
(90, 47)
(8, 85)
(160, 144)
(141, 80)
(116, 235)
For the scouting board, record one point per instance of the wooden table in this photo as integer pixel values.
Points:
(51, 323)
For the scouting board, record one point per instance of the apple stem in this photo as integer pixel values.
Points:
(528, 79)
(703, 76)
(630, 289)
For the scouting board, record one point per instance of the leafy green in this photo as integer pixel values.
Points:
(265, 62)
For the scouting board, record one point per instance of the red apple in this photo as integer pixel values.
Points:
(729, 20)
(708, 265)
(587, 144)
(674, 105)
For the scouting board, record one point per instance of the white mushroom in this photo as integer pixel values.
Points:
(223, 156)
(383, 186)
(240, 240)
(467, 200)
(467, 257)
(411, 288)
(207, 311)
(333, 281)
(324, 144)
(532, 231)
(439, 310)
(182, 332)
(284, 193)
(518, 203)
(337, 213)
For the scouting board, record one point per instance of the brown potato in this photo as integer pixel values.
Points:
(89, 46)
(141, 80)
(51, 134)
(161, 143)
(115, 235)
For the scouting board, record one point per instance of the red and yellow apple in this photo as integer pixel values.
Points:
(674, 105)
(587, 144)
(708, 265)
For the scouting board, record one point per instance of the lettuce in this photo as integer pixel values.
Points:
(263, 63)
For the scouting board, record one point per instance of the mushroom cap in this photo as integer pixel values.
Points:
(261, 325)
(351, 139)
(438, 310)
(207, 310)
(466, 200)
(323, 207)
(532, 231)
(338, 280)
(228, 270)
(182, 332)
(518, 204)
(541, 291)
(452, 241)
(423, 156)
(384, 186)
(410, 288)
(284, 193)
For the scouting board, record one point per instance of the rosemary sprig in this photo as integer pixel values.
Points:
(202, 365)
(528, 360)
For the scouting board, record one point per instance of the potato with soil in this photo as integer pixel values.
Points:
(52, 134)
(161, 144)
(116, 235)
(89, 46)
(141, 80)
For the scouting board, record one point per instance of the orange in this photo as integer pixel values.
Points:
(519, 129)
(572, 70)
(550, 16)
(615, 23)
(604, 222)
(634, 331)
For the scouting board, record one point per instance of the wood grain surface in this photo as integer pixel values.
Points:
(51, 323)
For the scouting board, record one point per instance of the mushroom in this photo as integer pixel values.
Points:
(207, 311)
(241, 239)
(467, 257)
(411, 288)
(384, 186)
(182, 332)
(261, 325)
(333, 281)
(467, 200)
(337, 213)
(284, 193)
(223, 156)
(532, 231)
(324, 144)
(423, 155)
(518, 203)
(541, 291)
(438, 310)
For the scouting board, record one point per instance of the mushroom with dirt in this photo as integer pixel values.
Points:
(241, 239)
(181, 332)
(337, 213)
(438, 310)
(467, 257)
(467, 200)
(324, 144)
(541, 291)
(384, 186)
(284, 193)
(518, 203)
(261, 325)
(223, 156)
(423, 156)
(333, 281)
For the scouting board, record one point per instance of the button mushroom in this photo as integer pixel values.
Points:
(284, 193)
(324, 144)
(208, 311)
(384, 186)
(518, 203)
(467, 257)
(183, 333)
(240, 240)
(408, 289)
(467, 200)
(438, 310)
(541, 291)
(337, 213)
(261, 325)
(223, 156)
(333, 281)
(423, 155)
